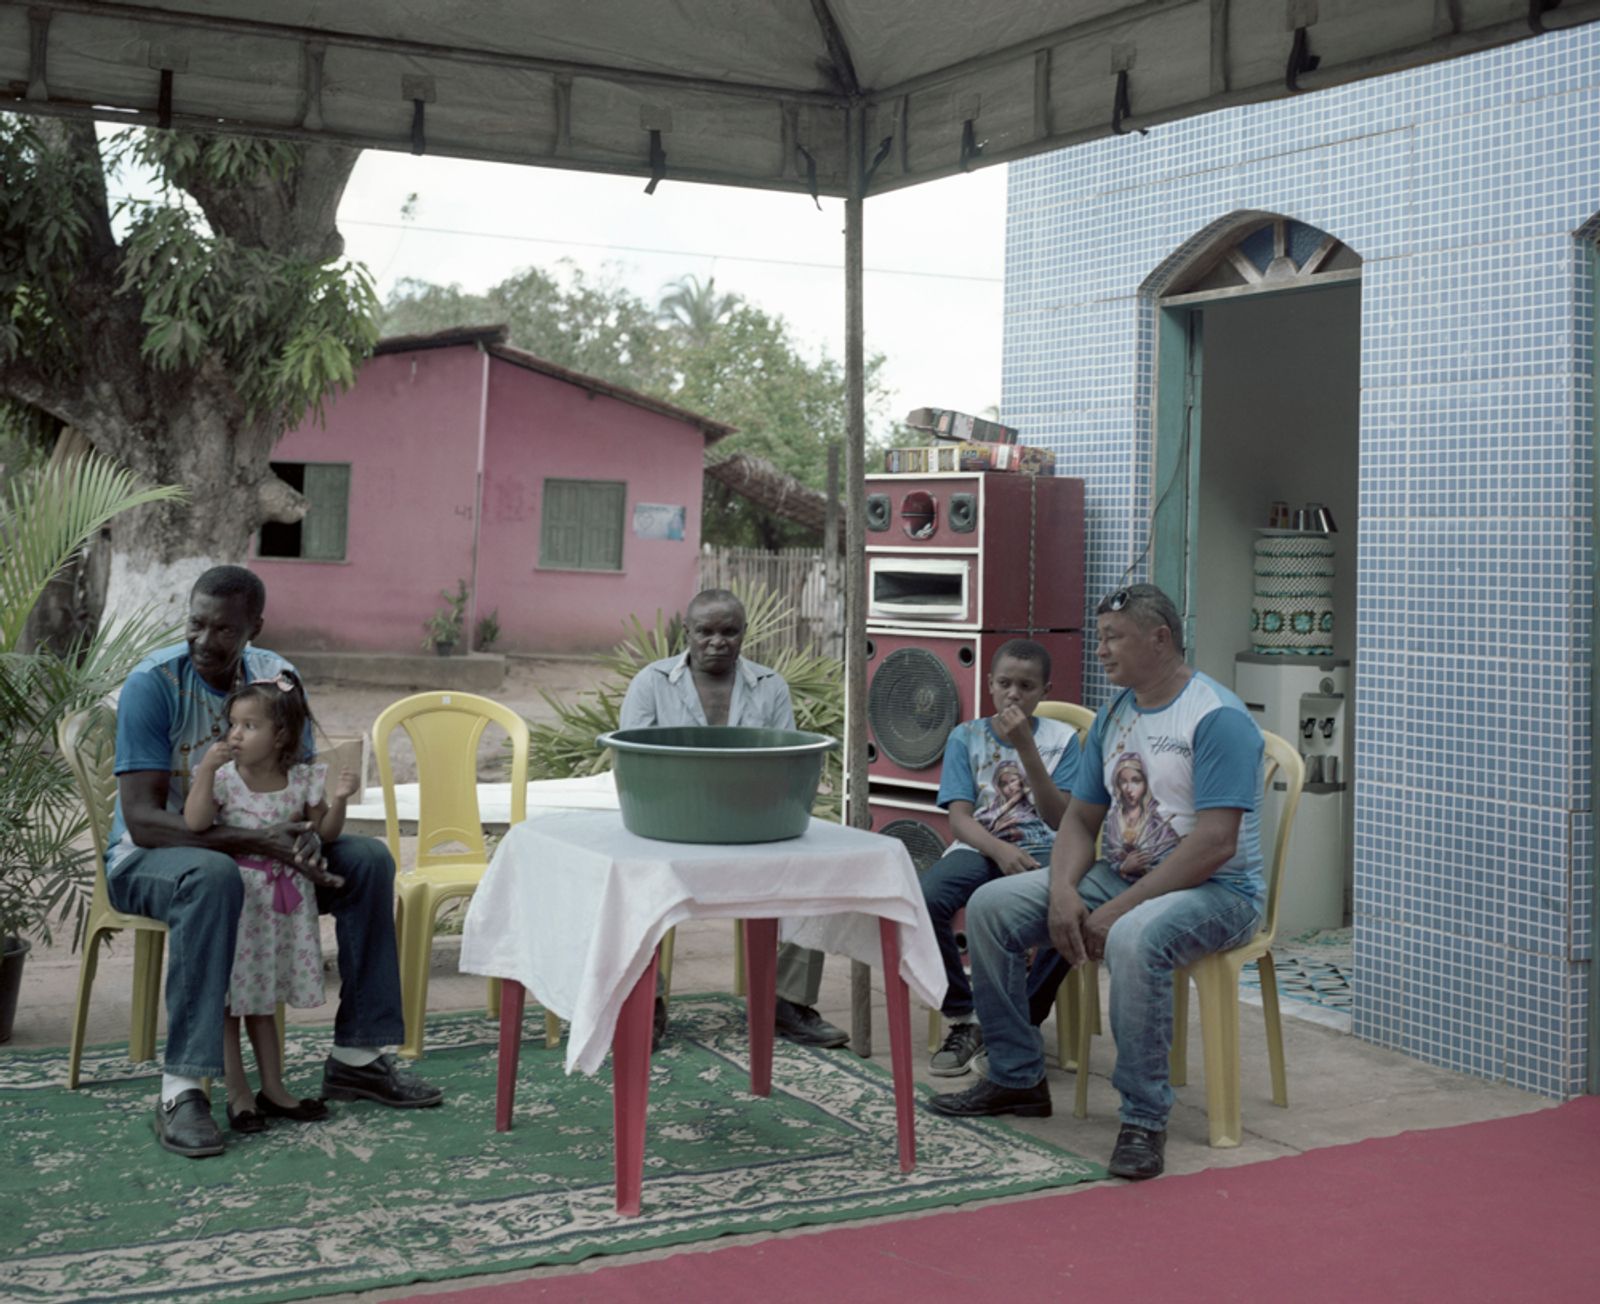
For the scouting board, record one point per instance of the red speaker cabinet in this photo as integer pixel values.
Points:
(975, 550)
(922, 683)
(912, 818)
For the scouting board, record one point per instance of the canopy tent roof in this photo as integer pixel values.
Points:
(741, 92)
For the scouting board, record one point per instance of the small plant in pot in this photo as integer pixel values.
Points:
(47, 870)
(443, 629)
(486, 633)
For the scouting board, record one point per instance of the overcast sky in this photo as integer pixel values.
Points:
(935, 253)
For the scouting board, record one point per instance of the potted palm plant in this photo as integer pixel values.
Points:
(47, 517)
(443, 629)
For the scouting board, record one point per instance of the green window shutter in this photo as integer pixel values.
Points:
(581, 524)
(327, 520)
(560, 526)
(602, 527)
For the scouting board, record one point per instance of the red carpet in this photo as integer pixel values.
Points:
(1505, 1210)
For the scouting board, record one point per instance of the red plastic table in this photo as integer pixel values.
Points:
(565, 879)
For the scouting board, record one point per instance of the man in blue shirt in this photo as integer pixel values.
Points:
(1004, 782)
(170, 712)
(1171, 784)
(711, 684)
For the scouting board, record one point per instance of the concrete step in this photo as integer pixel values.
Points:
(476, 672)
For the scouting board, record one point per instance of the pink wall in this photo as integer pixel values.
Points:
(542, 427)
(409, 429)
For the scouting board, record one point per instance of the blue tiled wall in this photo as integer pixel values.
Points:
(1468, 189)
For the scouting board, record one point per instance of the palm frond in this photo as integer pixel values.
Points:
(50, 515)
(46, 517)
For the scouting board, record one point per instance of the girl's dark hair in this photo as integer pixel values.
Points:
(283, 698)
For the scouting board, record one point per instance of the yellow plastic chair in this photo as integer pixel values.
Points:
(444, 729)
(1080, 718)
(1068, 1002)
(1216, 978)
(88, 742)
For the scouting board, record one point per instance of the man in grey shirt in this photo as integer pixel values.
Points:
(710, 684)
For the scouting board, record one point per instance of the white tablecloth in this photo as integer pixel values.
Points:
(573, 906)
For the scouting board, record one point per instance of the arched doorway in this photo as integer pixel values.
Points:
(1256, 329)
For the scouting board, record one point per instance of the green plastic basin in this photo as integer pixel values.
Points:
(702, 784)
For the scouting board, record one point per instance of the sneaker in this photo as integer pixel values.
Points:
(986, 1099)
(805, 1027)
(1139, 1153)
(954, 1058)
(980, 1064)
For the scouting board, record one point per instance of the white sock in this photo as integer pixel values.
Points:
(962, 1018)
(357, 1057)
(174, 1085)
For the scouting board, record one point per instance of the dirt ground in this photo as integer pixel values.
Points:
(346, 708)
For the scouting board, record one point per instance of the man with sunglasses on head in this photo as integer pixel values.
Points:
(1172, 740)
(171, 711)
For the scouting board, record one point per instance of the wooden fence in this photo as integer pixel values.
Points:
(797, 574)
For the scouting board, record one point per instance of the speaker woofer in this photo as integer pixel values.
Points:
(878, 512)
(925, 845)
(912, 705)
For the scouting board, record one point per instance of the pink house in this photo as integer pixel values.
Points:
(566, 503)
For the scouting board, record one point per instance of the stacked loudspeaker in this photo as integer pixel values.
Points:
(957, 565)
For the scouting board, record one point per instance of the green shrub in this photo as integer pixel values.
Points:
(47, 516)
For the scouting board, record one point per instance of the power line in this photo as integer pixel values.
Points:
(675, 253)
(639, 249)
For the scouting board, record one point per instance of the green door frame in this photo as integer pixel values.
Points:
(1179, 370)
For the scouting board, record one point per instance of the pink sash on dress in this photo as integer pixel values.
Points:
(286, 897)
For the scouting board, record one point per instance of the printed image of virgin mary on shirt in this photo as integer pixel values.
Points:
(1137, 835)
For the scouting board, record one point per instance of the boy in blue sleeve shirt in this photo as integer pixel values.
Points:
(1005, 783)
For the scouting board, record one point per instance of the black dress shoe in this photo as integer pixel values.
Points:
(246, 1120)
(304, 1111)
(805, 1027)
(985, 1099)
(186, 1127)
(1138, 1154)
(382, 1080)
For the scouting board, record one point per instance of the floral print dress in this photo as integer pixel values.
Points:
(278, 956)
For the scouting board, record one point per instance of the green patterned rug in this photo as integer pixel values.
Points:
(377, 1197)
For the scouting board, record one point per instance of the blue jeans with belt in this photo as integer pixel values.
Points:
(198, 894)
(1007, 917)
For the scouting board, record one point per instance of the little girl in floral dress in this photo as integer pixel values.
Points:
(256, 777)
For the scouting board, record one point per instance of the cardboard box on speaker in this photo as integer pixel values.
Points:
(969, 456)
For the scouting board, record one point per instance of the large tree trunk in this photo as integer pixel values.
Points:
(222, 459)
(186, 426)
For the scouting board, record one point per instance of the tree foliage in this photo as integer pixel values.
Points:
(568, 318)
(716, 354)
(181, 335)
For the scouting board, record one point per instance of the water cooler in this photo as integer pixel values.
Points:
(1306, 699)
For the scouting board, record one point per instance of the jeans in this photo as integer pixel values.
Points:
(799, 975)
(198, 895)
(1143, 949)
(947, 886)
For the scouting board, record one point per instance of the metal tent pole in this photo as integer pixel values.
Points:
(855, 534)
